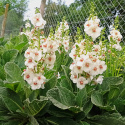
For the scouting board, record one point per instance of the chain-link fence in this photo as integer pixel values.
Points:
(77, 13)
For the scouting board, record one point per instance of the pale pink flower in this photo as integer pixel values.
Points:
(81, 82)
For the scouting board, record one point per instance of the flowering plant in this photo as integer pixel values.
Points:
(88, 89)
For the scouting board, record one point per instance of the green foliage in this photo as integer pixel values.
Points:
(11, 99)
(34, 107)
(1, 8)
(15, 15)
(61, 97)
(60, 103)
(13, 73)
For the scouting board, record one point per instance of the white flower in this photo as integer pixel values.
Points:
(28, 53)
(28, 75)
(35, 84)
(72, 65)
(21, 33)
(102, 67)
(30, 63)
(95, 70)
(99, 79)
(92, 27)
(94, 32)
(36, 54)
(66, 48)
(38, 21)
(96, 48)
(73, 54)
(117, 46)
(44, 47)
(58, 76)
(74, 77)
(81, 82)
(88, 24)
(51, 46)
(115, 35)
(87, 65)
(41, 79)
(78, 69)
(50, 59)
(27, 33)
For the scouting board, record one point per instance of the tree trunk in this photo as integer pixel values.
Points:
(42, 7)
(4, 21)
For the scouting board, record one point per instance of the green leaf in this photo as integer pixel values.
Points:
(2, 73)
(33, 121)
(87, 107)
(15, 86)
(59, 60)
(10, 55)
(11, 122)
(11, 99)
(14, 74)
(20, 46)
(122, 94)
(113, 94)
(97, 98)
(79, 116)
(108, 82)
(3, 108)
(20, 59)
(54, 111)
(1, 83)
(2, 49)
(49, 74)
(49, 85)
(67, 72)
(81, 97)
(66, 82)
(61, 97)
(108, 119)
(34, 107)
(61, 121)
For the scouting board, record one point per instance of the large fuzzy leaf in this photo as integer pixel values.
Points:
(66, 82)
(97, 98)
(10, 55)
(57, 112)
(110, 81)
(62, 98)
(20, 46)
(11, 99)
(34, 107)
(2, 73)
(108, 119)
(61, 121)
(81, 97)
(14, 73)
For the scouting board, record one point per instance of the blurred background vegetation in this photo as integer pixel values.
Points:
(17, 8)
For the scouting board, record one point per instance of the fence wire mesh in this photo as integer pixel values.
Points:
(76, 14)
